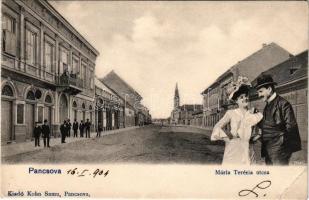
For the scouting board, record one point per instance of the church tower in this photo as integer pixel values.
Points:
(176, 98)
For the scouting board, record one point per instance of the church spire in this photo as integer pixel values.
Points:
(176, 97)
(176, 91)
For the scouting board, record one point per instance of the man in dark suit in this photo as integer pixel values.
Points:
(280, 134)
(37, 133)
(46, 133)
(69, 125)
(75, 128)
(63, 130)
(88, 125)
(81, 128)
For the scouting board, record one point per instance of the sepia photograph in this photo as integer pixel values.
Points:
(158, 83)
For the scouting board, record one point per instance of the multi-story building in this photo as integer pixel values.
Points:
(291, 77)
(109, 107)
(215, 97)
(47, 70)
(132, 100)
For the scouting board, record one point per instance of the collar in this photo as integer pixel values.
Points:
(272, 97)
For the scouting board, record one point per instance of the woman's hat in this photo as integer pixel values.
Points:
(263, 80)
(236, 88)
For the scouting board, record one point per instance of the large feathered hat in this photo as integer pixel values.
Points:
(240, 86)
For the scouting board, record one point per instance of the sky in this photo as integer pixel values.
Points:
(152, 45)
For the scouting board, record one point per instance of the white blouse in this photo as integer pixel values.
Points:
(241, 124)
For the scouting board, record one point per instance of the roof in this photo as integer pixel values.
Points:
(265, 58)
(124, 90)
(58, 15)
(191, 107)
(281, 73)
(176, 91)
(101, 85)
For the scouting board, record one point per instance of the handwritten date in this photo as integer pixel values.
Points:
(256, 189)
(87, 172)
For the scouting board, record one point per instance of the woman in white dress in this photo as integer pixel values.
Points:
(241, 121)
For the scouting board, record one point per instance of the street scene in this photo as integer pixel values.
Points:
(152, 84)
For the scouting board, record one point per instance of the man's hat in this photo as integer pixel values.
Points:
(264, 80)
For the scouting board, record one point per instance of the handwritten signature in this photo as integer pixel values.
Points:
(85, 172)
(261, 186)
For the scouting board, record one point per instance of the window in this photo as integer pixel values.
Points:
(8, 24)
(20, 113)
(9, 37)
(91, 80)
(7, 91)
(48, 99)
(74, 104)
(75, 65)
(48, 56)
(31, 40)
(63, 60)
(84, 75)
(30, 95)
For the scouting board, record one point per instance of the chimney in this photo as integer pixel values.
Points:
(264, 45)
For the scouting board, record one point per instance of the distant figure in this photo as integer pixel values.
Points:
(75, 128)
(46, 133)
(63, 130)
(69, 125)
(88, 125)
(37, 133)
(100, 129)
(81, 128)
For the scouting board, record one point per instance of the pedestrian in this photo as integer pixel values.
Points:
(88, 125)
(81, 128)
(241, 120)
(280, 135)
(99, 129)
(46, 133)
(63, 130)
(75, 128)
(69, 125)
(37, 133)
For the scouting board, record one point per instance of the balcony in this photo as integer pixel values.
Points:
(69, 83)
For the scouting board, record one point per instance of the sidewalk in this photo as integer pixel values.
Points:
(25, 147)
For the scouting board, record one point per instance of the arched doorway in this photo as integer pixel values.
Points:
(63, 108)
(30, 118)
(6, 114)
(48, 111)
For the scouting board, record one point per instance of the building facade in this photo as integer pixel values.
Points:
(291, 77)
(215, 96)
(47, 70)
(109, 108)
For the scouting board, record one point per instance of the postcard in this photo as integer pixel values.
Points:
(154, 99)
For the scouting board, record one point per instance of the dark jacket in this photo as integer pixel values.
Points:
(37, 131)
(69, 125)
(100, 128)
(45, 130)
(279, 120)
(63, 129)
(81, 126)
(88, 125)
(75, 125)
